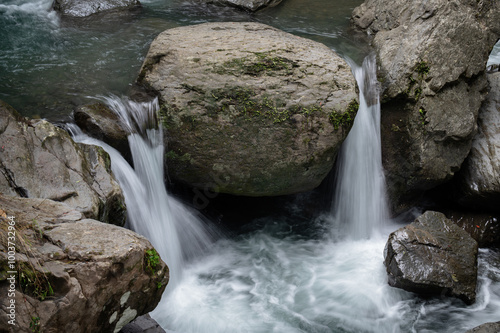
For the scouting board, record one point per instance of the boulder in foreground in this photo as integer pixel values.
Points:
(74, 274)
(432, 256)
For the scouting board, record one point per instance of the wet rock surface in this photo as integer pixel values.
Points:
(434, 257)
(249, 109)
(483, 227)
(486, 328)
(99, 122)
(142, 324)
(249, 5)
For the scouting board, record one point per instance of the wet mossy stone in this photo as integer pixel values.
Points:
(249, 109)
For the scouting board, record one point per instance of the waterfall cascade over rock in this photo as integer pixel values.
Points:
(360, 199)
(174, 230)
(274, 279)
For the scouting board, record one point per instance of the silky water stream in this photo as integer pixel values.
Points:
(276, 279)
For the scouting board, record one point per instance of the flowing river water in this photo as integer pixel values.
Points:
(277, 277)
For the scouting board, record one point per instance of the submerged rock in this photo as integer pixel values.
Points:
(486, 328)
(433, 256)
(250, 5)
(40, 160)
(75, 274)
(479, 178)
(432, 57)
(83, 8)
(249, 109)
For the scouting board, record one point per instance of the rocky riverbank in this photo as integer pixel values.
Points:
(62, 261)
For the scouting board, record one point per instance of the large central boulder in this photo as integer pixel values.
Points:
(249, 109)
(432, 57)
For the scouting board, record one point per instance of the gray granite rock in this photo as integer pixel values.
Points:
(249, 109)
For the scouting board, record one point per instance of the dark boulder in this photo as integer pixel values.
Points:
(99, 122)
(434, 257)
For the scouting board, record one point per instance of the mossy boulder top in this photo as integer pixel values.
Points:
(249, 109)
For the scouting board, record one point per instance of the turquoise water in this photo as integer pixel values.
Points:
(48, 64)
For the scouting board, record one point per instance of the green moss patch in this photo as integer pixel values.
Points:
(246, 102)
(345, 119)
(256, 64)
(151, 261)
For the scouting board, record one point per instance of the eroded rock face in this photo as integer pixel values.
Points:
(83, 8)
(479, 179)
(75, 274)
(40, 160)
(250, 5)
(249, 109)
(432, 57)
(433, 256)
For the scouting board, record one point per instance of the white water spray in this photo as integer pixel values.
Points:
(37, 8)
(175, 231)
(360, 197)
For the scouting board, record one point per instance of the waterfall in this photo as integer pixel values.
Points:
(151, 211)
(360, 198)
(273, 279)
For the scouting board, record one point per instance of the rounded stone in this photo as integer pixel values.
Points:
(249, 109)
